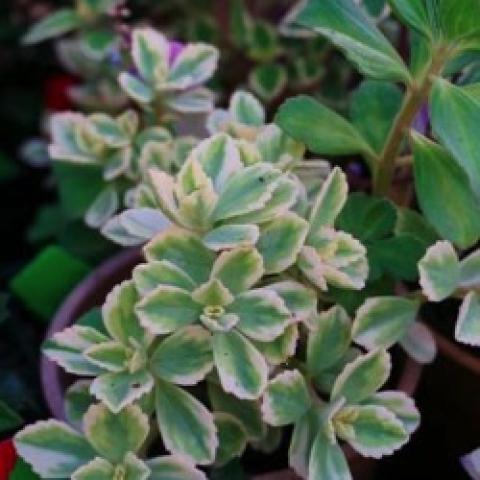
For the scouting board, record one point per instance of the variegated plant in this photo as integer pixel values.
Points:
(266, 297)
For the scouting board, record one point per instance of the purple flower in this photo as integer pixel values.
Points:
(422, 120)
(175, 49)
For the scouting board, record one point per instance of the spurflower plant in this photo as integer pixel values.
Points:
(267, 298)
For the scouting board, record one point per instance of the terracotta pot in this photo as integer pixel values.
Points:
(92, 292)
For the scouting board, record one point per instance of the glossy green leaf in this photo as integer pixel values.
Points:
(345, 24)
(322, 130)
(61, 21)
(454, 115)
(373, 109)
(232, 438)
(444, 194)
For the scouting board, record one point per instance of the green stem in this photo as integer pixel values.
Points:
(415, 96)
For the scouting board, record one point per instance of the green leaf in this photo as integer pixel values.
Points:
(111, 356)
(286, 399)
(135, 88)
(329, 202)
(213, 293)
(282, 348)
(454, 114)
(183, 249)
(103, 208)
(195, 64)
(470, 270)
(247, 412)
(268, 80)
(148, 276)
(129, 429)
(246, 109)
(66, 348)
(363, 377)
(167, 309)
(262, 314)
(383, 321)
(232, 438)
(444, 194)
(280, 242)
(414, 13)
(304, 434)
(299, 300)
(412, 223)
(78, 186)
(241, 368)
(22, 471)
(373, 109)
(247, 191)
(238, 269)
(327, 460)
(419, 343)
(77, 401)
(119, 389)
(53, 449)
(173, 468)
(9, 419)
(401, 405)
(397, 256)
(373, 431)
(97, 469)
(349, 28)
(62, 21)
(467, 329)
(329, 339)
(119, 316)
(367, 218)
(439, 271)
(240, 24)
(185, 357)
(186, 426)
(150, 52)
(322, 130)
(231, 236)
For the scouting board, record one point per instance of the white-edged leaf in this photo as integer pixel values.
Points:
(185, 357)
(439, 271)
(470, 271)
(173, 467)
(231, 236)
(246, 109)
(419, 343)
(383, 321)
(135, 88)
(401, 405)
(373, 431)
(281, 240)
(66, 348)
(286, 399)
(53, 449)
(187, 427)
(241, 367)
(363, 377)
(118, 390)
(114, 435)
(103, 207)
(467, 329)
